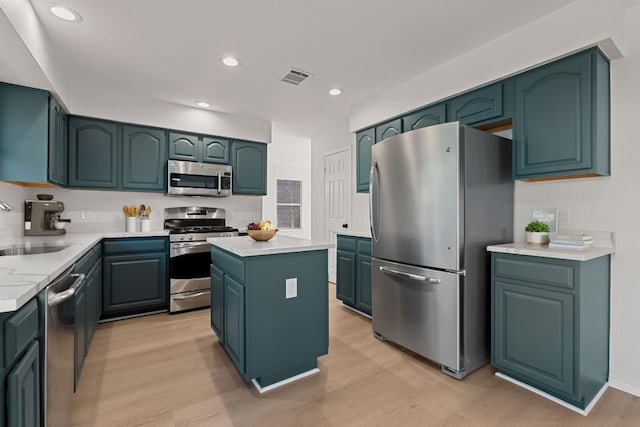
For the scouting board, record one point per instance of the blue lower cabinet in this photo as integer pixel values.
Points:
(134, 274)
(80, 333)
(24, 404)
(267, 336)
(21, 366)
(550, 324)
(353, 272)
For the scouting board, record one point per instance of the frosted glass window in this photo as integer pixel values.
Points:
(288, 203)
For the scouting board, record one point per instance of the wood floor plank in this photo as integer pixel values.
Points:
(171, 371)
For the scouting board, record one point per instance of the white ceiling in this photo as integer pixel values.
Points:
(162, 51)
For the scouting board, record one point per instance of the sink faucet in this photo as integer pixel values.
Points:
(4, 206)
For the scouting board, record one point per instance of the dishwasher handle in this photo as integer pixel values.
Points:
(60, 297)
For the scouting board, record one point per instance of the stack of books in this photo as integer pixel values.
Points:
(570, 241)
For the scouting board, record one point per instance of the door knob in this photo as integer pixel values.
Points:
(345, 225)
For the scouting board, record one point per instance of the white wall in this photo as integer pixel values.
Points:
(289, 157)
(11, 222)
(104, 208)
(608, 204)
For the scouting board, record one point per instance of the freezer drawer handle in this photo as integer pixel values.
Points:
(410, 275)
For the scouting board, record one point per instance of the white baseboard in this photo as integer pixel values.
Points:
(285, 381)
(580, 411)
(624, 386)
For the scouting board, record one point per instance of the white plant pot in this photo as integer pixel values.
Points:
(537, 238)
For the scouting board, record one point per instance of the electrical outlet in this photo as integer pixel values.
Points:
(84, 213)
(563, 216)
(291, 288)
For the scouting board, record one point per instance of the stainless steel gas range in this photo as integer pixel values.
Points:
(190, 254)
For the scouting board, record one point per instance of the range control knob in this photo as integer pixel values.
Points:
(190, 237)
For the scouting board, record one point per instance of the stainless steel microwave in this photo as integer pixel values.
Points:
(198, 179)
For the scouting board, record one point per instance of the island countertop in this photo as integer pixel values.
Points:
(245, 246)
(546, 252)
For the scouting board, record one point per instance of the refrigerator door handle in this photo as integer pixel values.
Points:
(411, 276)
(373, 172)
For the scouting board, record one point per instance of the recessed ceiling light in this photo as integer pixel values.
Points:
(230, 61)
(335, 92)
(203, 104)
(66, 13)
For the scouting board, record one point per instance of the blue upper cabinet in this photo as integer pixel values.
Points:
(364, 141)
(144, 156)
(194, 148)
(562, 119)
(433, 115)
(58, 149)
(249, 162)
(24, 133)
(481, 105)
(388, 129)
(93, 153)
(184, 146)
(215, 150)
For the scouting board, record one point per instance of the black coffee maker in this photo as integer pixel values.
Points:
(42, 217)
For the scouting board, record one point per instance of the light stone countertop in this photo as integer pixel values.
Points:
(23, 276)
(245, 246)
(546, 252)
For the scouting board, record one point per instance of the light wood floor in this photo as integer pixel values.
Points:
(165, 370)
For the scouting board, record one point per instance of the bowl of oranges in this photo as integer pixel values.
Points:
(262, 231)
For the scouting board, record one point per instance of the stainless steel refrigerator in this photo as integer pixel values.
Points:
(438, 196)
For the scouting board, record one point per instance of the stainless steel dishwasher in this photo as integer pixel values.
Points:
(58, 348)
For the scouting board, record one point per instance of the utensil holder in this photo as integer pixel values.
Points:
(131, 224)
(145, 225)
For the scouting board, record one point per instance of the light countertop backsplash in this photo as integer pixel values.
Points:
(103, 209)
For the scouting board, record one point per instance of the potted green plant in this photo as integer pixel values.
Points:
(537, 233)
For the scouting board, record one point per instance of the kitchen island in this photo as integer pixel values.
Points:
(269, 306)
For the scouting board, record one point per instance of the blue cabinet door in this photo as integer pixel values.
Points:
(388, 129)
(534, 335)
(217, 302)
(477, 106)
(346, 276)
(184, 146)
(249, 162)
(134, 282)
(363, 283)
(93, 286)
(364, 141)
(24, 133)
(23, 390)
(234, 321)
(93, 153)
(58, 150)
(562, 118)
(433, 115)
(144, 158)
(215, 150)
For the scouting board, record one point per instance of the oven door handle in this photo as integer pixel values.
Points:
(177, 249)
(192, 295)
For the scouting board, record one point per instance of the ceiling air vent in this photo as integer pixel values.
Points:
(295, 77)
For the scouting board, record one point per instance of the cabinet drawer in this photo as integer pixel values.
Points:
(346, 243)
(123, 246)
(364, 246)
(228, 263)
(20, 330)
(543, 271)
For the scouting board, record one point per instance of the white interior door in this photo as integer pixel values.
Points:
(337, 184)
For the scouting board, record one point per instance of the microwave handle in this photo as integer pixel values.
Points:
(219, 183)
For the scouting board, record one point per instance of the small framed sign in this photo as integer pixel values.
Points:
(547, 215)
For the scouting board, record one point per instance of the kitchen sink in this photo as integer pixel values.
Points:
(31, 250)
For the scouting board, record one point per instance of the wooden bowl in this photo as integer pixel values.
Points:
(261, 235)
